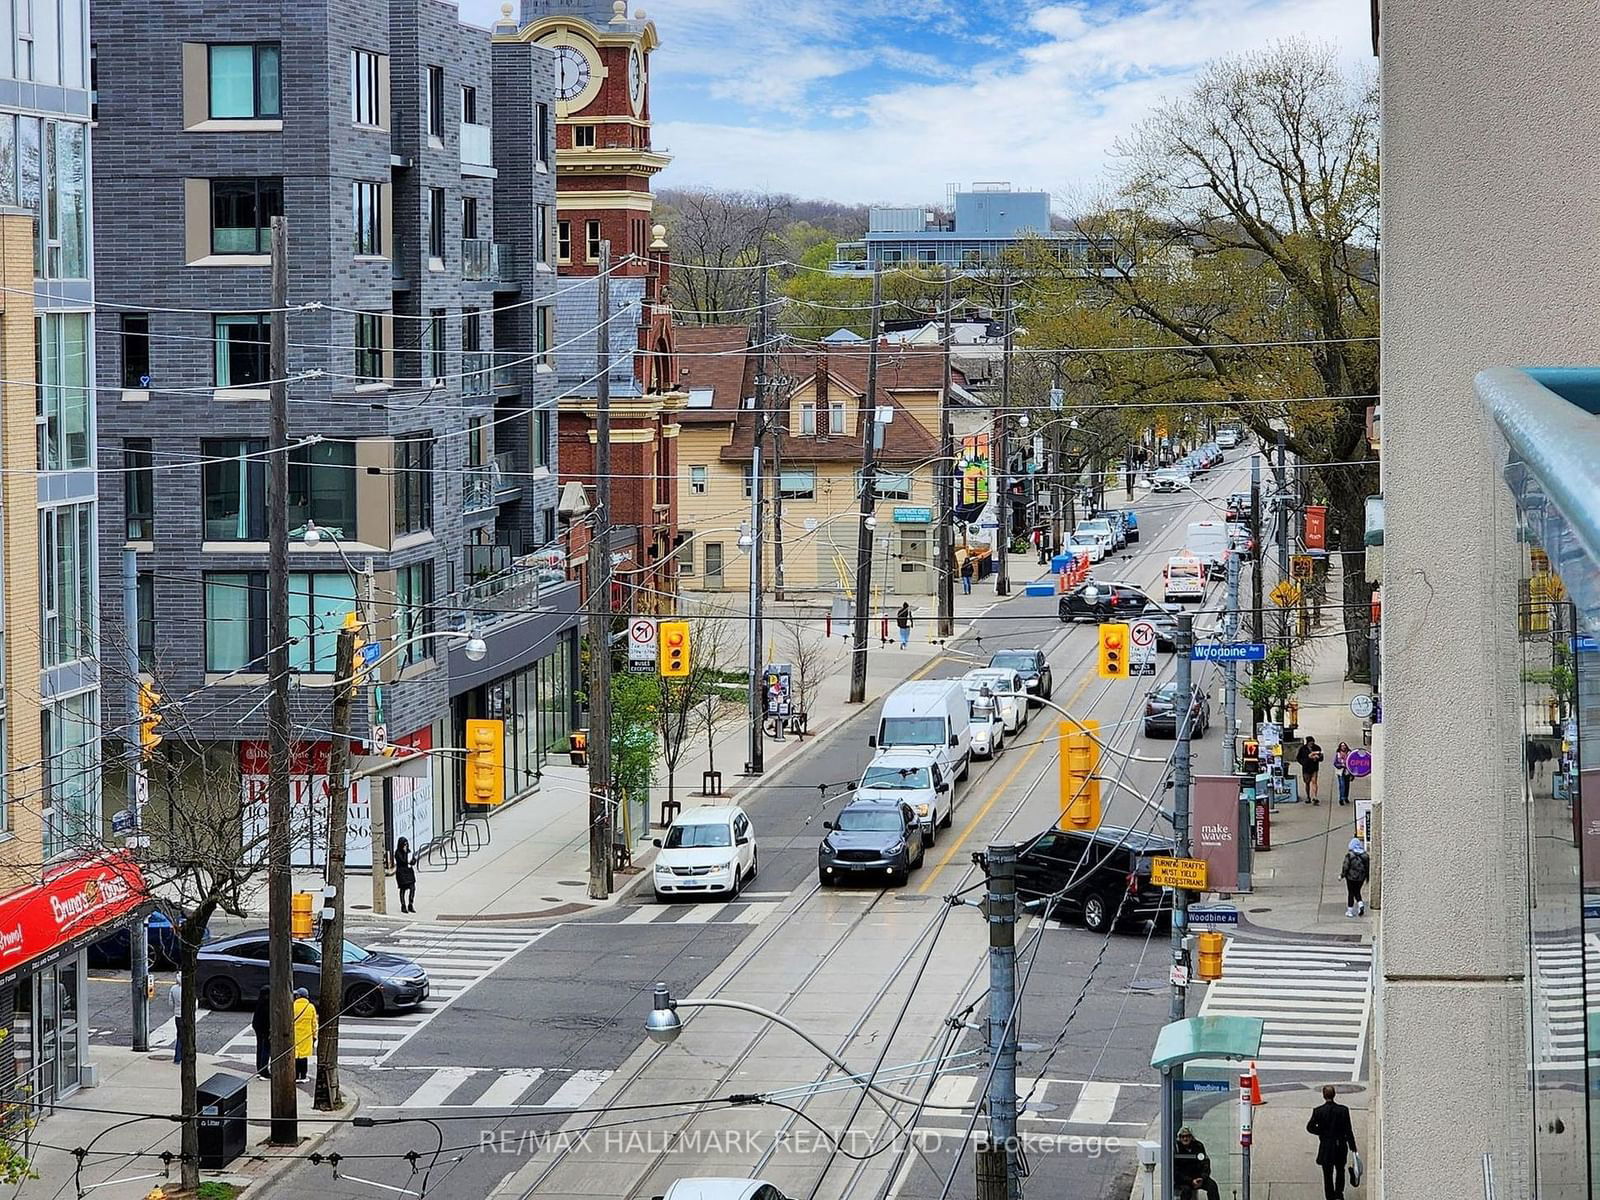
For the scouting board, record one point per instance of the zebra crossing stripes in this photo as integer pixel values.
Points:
(695, 914)
(1314, 997)
(1051, 1101)
(451, 1088)
(1564, 971)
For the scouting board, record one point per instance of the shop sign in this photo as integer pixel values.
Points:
(904, 515)
(79, 900)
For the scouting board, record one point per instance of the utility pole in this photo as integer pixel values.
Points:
(1230, 697)
(1172, 1098)
(944, 475)
(1000, 865)
(1258, 621)
(600, 604)
(138, 787)
(330, 991)
(285, 1129)
(777, 428)
(869, 487)
(756, 763)
(1281, 528)
(379, 799)
(1002, 585)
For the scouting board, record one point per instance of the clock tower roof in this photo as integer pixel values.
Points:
(598, 13)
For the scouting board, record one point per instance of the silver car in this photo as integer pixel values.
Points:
(1008, 690)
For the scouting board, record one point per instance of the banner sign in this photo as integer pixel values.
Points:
(1214, 829)
(1316, 527)
(308, 806)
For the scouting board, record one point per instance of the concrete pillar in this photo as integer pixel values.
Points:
(1490, 257)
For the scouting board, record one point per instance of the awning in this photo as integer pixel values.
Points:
(1207, 1037)
(76, 904)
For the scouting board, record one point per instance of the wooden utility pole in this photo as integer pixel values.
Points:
(944, 474)
(1002, 432)
(600, 807)
(280, 885)
(330, 995)
(869, 484)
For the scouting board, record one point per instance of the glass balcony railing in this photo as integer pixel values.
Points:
(477, 147)
(499, 598)
(481, 259)
(476, 373)
(480, 489)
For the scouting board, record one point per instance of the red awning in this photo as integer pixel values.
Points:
(74, 906)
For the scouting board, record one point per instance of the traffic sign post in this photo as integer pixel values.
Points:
(1302, 566)
(642, 645)
(1286, 593)
(1142, 656)
(1190, 874)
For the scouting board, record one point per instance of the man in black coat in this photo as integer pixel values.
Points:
(1330, 1123)
(1191, 1167)
(261, 1022)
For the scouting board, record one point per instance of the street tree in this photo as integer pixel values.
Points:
(715, 237)
(683, 704)
(808, 655)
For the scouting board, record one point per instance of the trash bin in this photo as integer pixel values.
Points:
(223, 1101)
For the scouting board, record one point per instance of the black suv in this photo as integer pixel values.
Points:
(1161, 717)
(871, 840)
(1100, 875)
(1100, 600)
(1031, 665)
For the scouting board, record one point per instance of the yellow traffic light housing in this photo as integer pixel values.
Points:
(1208, 964)
(1113, 650)
(486, 762)
(673, 638)
(149, 718)
(1080, 761)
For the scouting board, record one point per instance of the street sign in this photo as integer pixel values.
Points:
(1301, 566)
(1359, 763)
(1142, 659)
(1286, 594)
(1180, 975)
(371, 652)
(1585, 644)
(121, 821)
(1361, 706)
(1220, 915)
(1229, 652)
(380, 737)
(642, 634)
(1189, 874)
(1209, 1087)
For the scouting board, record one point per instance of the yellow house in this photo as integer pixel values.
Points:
(811, 463)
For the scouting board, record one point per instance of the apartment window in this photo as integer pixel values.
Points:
(798, 484)
(233, 486)
(69, 730)
(369, 347)
(541, 133)
(835, 418)
(808, 420)
(686, 552)
(469, 106)
(236, 620)
(471, 331)
(366, 203)
(549, 526)
(592, 237)
(60, 207)
(139, 488)
(244, 82)
(437, 360)
(319, 602)
(477, 442)
(66, 584)
(365, 96)
(322, 487)
(413, 483)
(563, 241)
(541, 233)
(436, 223)
(747, 479)
(542, 440)
(583, 137)
(436, 102)
(697, 480)
(94, 89)
(543, 324)
(241, 214)
(894, 256)
(927, 255)
(135, 339)
(971, 260)
(413, 594)
(145, 598)
(888, 485)
(61, 368)
(243, 349)
(469, 216)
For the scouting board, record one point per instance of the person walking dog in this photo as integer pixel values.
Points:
(1354, 872)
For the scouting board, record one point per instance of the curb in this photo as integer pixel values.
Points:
(274, 1166)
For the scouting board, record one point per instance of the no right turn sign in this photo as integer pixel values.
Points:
(1142, 658)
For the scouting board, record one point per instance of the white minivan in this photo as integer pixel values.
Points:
(1210, 542)
(929, 715)
(709, 850)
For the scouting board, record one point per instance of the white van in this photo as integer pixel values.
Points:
(929, 715)
(1184, 579)
(1209, 542)
(914, 777)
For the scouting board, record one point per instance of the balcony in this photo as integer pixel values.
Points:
(502, 597)
(477, 375)
(477, 150)
(480, 489)
(505, 377)
(484, 261)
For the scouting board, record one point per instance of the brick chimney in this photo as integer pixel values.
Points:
(823, 424)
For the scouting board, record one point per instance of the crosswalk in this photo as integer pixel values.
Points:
(1315, 999)
(1561, 971)
(456, 958)
(750, 909)
(1085, 1103)
(451, 1088)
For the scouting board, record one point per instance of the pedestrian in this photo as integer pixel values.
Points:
(1191, 1167)
(305, 1032)
(1341, 764)
(1357, 866)
(1330, 1123)
(902, 620)
(1310, 759)
(968, 569)
(175, 997)
(261, 1022)
(405, 876)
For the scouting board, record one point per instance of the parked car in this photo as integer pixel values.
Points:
(871, 839)
(1166, 623)
(1094, 548)
(927, 716)
(1228, 439)
(986, 727)
(1037, 677)
(1170, 480)
(1106, 531)
(1007, 687)
(708, 1188)
(115, 949)
(1101, 876)
(1126, 517)
(1161, 716)
(707, 850)
(1101, 600)
(1238, 506)
(915, 778)
(232, 971)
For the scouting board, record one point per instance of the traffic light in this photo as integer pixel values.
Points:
(149, 718)
(357, 667)
(1080, 789)
(1208, 965)
(1250, 760)
(674, 649)
(486, 762)
(1113, 651)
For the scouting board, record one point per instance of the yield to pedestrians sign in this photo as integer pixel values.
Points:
(642, 644)
(1142, 659)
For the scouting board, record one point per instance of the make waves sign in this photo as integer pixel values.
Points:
(1214, 829)
(80, 901)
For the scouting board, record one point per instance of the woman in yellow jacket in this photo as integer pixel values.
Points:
(305, 1032)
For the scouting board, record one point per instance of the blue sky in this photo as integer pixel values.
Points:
(890, 100)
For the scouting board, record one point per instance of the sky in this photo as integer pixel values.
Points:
(888, 101)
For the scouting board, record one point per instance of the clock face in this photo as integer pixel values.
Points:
(636, 78)
(573, 72)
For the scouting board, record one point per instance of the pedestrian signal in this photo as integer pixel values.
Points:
(486, 762)
(674, 640)
(1113, 651)
(1080, 787)
(1250, 760)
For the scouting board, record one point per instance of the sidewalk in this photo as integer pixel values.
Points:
(535, 865)
(124, 1162)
